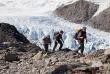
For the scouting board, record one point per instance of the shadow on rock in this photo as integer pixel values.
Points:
(73, 69)
(65, 69)
(60, 70)
(66, 50)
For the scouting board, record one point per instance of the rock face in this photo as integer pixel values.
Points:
(13, 45)
(77, 12)
(107, 52)
(101, 21)
(9, 33)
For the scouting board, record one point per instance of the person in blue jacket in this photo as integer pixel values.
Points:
(58, 40)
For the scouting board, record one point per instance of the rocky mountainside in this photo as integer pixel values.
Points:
(12, 42)
(82, 12)
(101, 21)
(77, 12)
(14, 47)
(8, 33)
(59, 62)
(21, 58)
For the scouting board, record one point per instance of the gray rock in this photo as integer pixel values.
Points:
(77, 12)
(97, 64)
(9, 56)
(106, 69)
(101, 21)
(38, 56)
(10, 34)
(107, 52)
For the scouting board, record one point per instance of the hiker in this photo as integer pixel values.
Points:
(47, 42)
(81, 36)
(58, 40)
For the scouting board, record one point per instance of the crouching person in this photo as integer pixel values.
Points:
(47, 42)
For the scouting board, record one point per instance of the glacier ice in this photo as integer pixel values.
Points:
(35, 28)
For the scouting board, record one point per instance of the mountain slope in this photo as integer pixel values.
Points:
(101, 21)
(77, 12)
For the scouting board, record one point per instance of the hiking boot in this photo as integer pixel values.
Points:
(82, 55)
(53, 51)
(60, 49)
(75, 51)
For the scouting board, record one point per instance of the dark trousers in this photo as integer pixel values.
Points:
(61, 45)
(46, 47)
(81, 46)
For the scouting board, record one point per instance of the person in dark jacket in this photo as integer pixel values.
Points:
(47, 42)
(58, 40)
(81, 37)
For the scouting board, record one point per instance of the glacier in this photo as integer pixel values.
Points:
(35, 19)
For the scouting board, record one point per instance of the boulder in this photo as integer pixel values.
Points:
(9, 57)
(95, 54)
(107, 52)
(37, 56)
(106, 69)
(51, 61)
(97, 64)
(48, 61)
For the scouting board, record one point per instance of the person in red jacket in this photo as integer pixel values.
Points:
(81, 37)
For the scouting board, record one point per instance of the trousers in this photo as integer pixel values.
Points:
(61, 45)
(81, 46)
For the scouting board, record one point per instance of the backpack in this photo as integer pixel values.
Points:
(76, 34)
(46, 41)
(56, 33)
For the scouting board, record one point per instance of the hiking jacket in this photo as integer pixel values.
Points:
(58, 37)
(47, 41)
(82, 34)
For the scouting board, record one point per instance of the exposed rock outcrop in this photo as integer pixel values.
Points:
(107, 52)
(77, 12)
(13, 45)
(8, 33)
(101, 21)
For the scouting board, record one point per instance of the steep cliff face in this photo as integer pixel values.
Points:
(101, 21)
(9, 33)
(77, 12)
